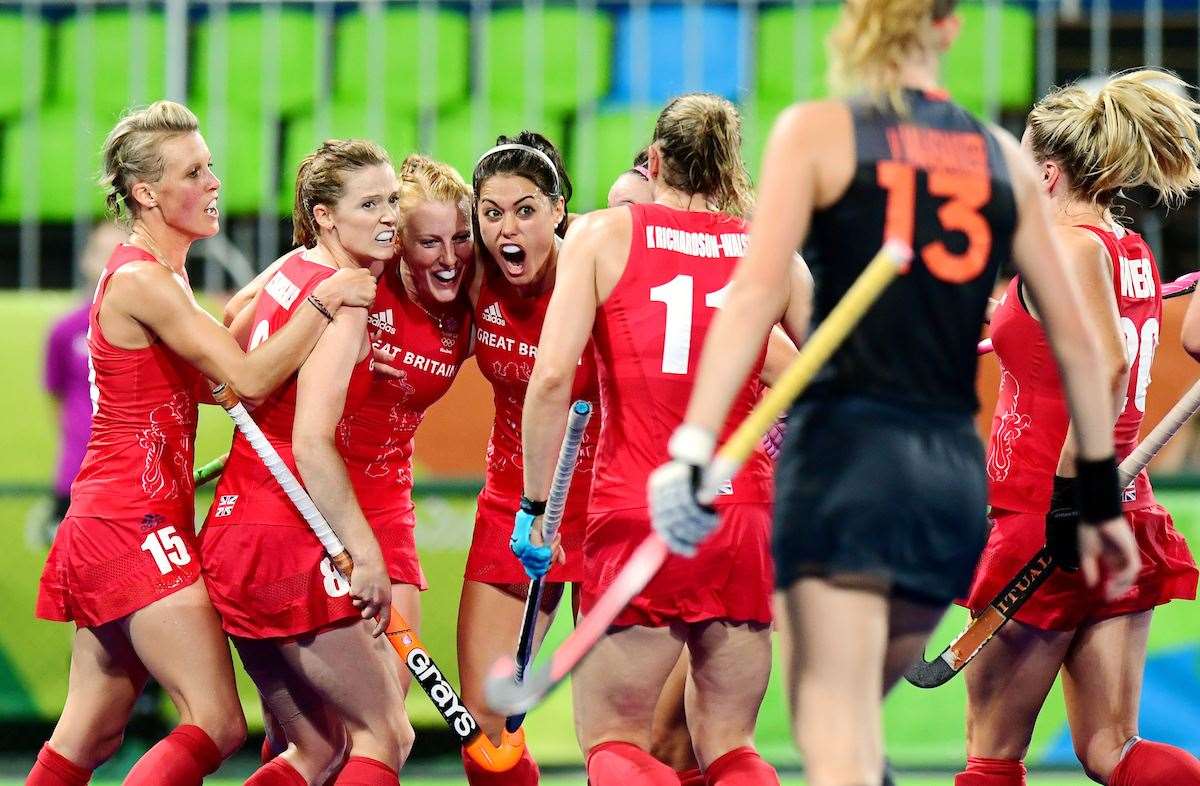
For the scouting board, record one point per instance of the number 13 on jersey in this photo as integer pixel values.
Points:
(966, 193)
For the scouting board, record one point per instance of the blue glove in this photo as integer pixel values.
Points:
(535, 559)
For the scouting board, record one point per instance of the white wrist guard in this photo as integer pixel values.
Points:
(692, 445)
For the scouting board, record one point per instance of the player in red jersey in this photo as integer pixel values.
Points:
(1088, 147)
(296, 622)
(670, 742)
(643, 282)
(521, 191)
(632, 187)
(421, 325)
(124, 564)
(420, 328)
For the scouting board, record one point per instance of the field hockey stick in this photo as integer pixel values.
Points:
(507, 696)
(399, 633)
(981, 629)
(209, 472)
(1184, 285)
(556, 501)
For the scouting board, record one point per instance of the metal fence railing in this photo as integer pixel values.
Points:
(272, 77)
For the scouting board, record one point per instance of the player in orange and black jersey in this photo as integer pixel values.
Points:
(880, 488)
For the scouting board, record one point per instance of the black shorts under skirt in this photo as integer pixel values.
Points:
(872, 494)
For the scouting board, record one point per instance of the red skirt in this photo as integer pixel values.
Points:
(730, 578)
(270, 581)
(394, 529)
(492, 562)
(1064, 602)
(100, 569)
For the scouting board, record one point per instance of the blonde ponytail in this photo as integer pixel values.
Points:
(873, 38)
(700, 138)
(1139, 129)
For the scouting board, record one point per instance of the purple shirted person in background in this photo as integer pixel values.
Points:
(66, 373)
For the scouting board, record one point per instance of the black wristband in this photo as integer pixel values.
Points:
(1099, 490)
(1065, 493)
(533, 507)
(319, 306)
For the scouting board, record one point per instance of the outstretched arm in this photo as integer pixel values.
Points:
(162, 302)
(569, 320)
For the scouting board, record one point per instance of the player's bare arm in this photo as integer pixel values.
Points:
(569, 320)
(785, 337)
(1040, 259)
(320, 398)
(1088, 265)
(1190, 333)
(149, 297)
(759, 292)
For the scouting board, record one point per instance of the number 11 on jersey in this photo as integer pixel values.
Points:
(677, 294)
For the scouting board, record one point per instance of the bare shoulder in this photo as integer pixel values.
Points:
(1082, 246)
(601, 232)
(596, 224)
(147, 283)
(813, 122)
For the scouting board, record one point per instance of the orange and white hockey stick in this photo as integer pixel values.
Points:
(981, 629)
(399, 633)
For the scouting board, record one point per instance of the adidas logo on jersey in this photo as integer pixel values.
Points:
(383, 320)
(225, 505)
(492, 314)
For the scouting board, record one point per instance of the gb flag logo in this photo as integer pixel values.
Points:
(225, 505)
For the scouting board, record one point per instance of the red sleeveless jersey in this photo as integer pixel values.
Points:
(649, 333)
(140, 454)
(247, 492)
(507, 329)
(377, 439)
(1030, 422)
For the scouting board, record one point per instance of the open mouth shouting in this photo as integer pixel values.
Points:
(513, 257)
(446, 279)
(386, 237)
(211, 210)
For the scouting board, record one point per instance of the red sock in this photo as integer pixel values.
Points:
(741, 767)
(1149, 762)
(692, 777)
(267, 752)
(625, 764)
(991, 772)
(361, 771)
(53, 769)
(524, 773)
(182, 758)
(276, 772)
